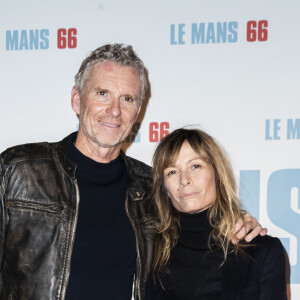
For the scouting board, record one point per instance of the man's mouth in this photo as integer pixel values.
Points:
(109, 125)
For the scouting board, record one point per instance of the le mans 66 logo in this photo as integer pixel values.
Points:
(40, 39)
(218, 32)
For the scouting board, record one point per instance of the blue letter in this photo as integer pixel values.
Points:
(34, 39)
(279, 209)
(232, 26)
(137, 138)
(12, 41)
(267, 131)
(210, 35)
(197, 33)
(249, 191)
(181, 33)
(23, 40)
(44, 44)
(292, 129)
(173, 42)
(221, 32)
(276, 129)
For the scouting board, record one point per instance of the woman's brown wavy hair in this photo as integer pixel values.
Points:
(223, 214)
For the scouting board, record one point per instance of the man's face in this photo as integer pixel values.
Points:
(108, 104)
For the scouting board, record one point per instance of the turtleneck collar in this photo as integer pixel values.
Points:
(195, 222)
(99, 173)
(195, 230)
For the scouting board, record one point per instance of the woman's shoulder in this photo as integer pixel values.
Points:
(263, 247)
(266, 241)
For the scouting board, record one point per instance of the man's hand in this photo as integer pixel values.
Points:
(243, 226)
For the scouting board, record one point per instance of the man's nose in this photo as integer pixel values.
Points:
(114, 108)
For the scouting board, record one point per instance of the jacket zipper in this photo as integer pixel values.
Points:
(71, 243)
(137, 279)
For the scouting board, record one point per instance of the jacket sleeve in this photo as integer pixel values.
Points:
(2, 223)
(272, 273)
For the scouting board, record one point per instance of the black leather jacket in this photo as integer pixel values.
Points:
(39, 202)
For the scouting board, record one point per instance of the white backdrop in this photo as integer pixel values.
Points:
(232, 67)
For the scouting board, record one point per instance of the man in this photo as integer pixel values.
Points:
(81, 208)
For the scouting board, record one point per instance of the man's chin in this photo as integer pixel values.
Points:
(112, 144)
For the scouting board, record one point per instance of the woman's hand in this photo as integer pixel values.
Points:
(248, 228)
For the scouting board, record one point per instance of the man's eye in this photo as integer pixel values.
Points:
(128, 99)
(102, 93)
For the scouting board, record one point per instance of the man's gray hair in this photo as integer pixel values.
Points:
(118, 53)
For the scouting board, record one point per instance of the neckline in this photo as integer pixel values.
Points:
(195, 222)
(101, 173)
(195, 230)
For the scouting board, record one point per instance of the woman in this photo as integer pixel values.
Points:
(196, 199)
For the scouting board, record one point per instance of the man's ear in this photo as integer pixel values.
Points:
(139, 109)
(137, 114)
(75, 100)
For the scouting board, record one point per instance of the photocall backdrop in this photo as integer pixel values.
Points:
(229, 67)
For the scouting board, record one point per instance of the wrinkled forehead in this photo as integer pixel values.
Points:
(118, 72)
(115, 73)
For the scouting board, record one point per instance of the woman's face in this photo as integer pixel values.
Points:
(190, 183)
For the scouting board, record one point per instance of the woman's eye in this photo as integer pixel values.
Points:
(196, 166)
(171, 173)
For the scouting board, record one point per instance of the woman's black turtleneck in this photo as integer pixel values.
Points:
(194, 269)
(104, 253)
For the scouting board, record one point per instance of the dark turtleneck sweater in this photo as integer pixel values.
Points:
(194, 269)
(104, 253)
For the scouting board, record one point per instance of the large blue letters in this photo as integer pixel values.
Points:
(283, 201)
